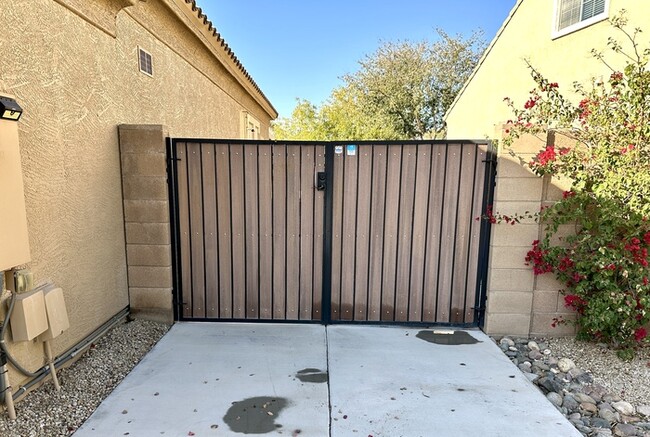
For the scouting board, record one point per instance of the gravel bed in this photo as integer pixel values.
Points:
(601, 395)
(629, 380)
(45, 412)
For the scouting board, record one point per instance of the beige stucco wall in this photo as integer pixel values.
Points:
(527, 36)
(77, 82)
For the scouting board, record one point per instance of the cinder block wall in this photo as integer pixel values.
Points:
(518, 302)
(146, 218)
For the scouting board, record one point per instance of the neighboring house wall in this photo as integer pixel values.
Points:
(73, 66)
(518, 302)
(479, 109)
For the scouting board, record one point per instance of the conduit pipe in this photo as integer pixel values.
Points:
(42, 373)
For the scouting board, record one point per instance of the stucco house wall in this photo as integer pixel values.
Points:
(519, 303)
(527, 35)
(73, 67)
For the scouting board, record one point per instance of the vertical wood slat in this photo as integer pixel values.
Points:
(364, 195)
(222, 153)
(404, 232)
(448, 233)
(293, 232)
(319, 235)
(184, 227)
(434, 222)
(279, 231)
(238, 230)
(391, 232)
(475, 233)
(211, 231)
(462, 238)
(337, 229)
(377, 214)
(420, 211)
(251, 214)
(195, 186)
(307, 166)
(348, 234)
(265, 232)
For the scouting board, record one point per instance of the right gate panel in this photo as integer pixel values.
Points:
(405, 239)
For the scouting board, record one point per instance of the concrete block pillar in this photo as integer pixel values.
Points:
(146, 220)
(520, 303)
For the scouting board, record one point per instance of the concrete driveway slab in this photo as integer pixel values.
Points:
(216, 379)
(231, 379)
(400, 382)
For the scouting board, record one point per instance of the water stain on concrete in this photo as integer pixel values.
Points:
(255, 415)
(312, 375)
(456, 338)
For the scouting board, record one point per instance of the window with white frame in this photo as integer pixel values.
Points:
(571, 15)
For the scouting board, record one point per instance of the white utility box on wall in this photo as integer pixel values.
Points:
(57, 316)
(14, 240)
(29, 318)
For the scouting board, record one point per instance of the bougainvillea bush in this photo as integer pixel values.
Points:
(604, 263)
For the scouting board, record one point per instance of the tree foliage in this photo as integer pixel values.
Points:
(401, 91)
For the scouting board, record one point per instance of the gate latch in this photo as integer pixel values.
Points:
(320, 180)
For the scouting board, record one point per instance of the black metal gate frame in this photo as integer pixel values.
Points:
(484, 241)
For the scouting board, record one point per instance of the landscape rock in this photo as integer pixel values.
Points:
(625, 430)
(608, 415)
(624, 408)
(570, 402)
(598, 422)
(533, 346)
(555, 398)
(593, 405)
(581, 397)
(565, 364)
(643, 410)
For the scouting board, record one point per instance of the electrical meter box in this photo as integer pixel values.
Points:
(57, 316)
(29, 318)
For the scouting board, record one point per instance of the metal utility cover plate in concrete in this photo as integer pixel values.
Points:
(187, 384)
(388, 382)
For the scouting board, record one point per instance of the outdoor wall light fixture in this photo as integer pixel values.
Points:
(10, 109)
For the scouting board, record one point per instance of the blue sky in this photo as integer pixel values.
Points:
(300, 48)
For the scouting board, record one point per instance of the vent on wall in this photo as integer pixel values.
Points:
(145, 60)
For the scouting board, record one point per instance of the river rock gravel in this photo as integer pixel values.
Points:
(45, 412)
(600, 394)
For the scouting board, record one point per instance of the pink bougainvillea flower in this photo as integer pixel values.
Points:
(640, 334)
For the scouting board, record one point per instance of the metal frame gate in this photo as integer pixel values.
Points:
(368, 232)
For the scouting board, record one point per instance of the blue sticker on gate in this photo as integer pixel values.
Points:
(351, 149)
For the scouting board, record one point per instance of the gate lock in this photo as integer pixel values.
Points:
(320, 180)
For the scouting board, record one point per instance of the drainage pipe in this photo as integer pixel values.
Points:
(72, 352)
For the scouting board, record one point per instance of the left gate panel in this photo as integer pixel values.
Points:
(250, 230)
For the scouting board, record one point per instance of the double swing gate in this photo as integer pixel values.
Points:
(330, 232)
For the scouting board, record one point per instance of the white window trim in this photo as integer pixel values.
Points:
(140, 64)
(250, 134)
(555, 33)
